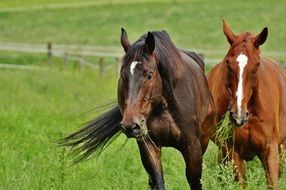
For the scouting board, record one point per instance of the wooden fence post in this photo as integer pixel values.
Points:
(50, 53)
(101, 67)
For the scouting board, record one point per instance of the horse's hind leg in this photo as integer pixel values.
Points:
(192, 154)
(151, 159)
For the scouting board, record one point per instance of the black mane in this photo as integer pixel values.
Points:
(167, 54)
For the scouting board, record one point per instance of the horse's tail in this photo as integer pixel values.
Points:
(95, 135)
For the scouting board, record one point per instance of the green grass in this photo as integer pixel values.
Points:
(39, 107)
(28, 3)
(223, 133)
(36, 109)
(193, 24)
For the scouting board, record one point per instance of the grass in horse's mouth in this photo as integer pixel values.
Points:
(224, 131)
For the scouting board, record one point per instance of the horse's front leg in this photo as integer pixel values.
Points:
(192, 154)
(151, 159)
(239, 168)
(270, 160)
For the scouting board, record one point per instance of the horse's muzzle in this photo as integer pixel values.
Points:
(238, 120)
(132, 130)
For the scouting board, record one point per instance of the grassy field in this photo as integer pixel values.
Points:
(193, 24)
(38, 107)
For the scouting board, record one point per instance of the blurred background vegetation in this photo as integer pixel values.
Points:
(42, 104)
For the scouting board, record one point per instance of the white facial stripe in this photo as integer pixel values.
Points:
(242, 61)
(133, 66)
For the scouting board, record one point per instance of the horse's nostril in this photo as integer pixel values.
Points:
(232, 115)
(122, 127)
(129, 128)
(135, 127)
(246, 114)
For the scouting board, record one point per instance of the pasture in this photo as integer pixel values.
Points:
(40, 106)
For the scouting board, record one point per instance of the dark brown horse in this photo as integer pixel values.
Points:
(163, 100)
(253, 89)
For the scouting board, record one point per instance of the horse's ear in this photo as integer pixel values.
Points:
(124, 40)
(149, 43)
(228, 32)
(261, 38)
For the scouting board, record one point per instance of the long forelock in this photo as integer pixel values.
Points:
(242, 40)
(133, 54)
(167, 55)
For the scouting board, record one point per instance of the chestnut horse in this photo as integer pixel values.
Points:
(163, 101)
(253, 89)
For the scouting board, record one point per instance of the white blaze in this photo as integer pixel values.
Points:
(133, 66)
(242, 61)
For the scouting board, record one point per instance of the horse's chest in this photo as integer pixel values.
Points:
(249, 141)
(164, 129)
(242, 135)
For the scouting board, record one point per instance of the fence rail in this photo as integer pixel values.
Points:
(107, 51)
(21, 67)
(78, 52)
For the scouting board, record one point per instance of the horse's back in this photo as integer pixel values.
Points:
(198, 60)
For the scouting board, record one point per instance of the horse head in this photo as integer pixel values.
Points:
(242, 62)
(140, 85)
